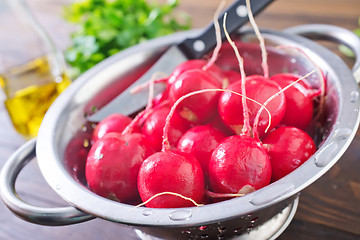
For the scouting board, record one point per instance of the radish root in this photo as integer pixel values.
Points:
(158, 77)
(166, 144)
(264, 63)
(218, 36)
(146, 112)
(322, 82)
(169, 193)
(246, 127)
(256, 121)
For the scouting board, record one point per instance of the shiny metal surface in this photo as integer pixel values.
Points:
(66, 116)
(39, 215)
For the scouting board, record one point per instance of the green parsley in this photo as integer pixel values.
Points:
(105, 27)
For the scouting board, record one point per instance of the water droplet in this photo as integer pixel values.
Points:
(342, 134)
(180, 215)
(326, 154)
(147, 212)
(58, 187)
(186, 232)
(354, 96)
(293, 60)
(83, 128)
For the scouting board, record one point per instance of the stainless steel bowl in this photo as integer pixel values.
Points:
(232, 218)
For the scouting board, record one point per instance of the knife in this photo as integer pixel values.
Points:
(191, 48)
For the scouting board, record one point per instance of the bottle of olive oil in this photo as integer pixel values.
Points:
(30, 89)
(32, 70)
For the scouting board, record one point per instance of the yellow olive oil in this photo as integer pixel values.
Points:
(30, 89)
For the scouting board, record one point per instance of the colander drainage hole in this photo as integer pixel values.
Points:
(221, 237)
(203, 228)
(252, 221)
(204, 236)
(238, 231)
(222, 229)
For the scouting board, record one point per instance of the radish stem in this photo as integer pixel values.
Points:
(166, 144)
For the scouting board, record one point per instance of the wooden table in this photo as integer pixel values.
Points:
(328, 209)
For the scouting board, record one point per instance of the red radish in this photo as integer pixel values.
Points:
(257, 88)
(154, 125)
(171, 171)
(76, 152)
(299, 101)
(113, 164)
(113, 123)
(230, 76)
(294, 77)
(200, 141)
(217, 123)
(200, 108)
(239, 162)
(198, 64)
(288, 148)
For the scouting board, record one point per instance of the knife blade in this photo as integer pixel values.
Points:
(191, 48)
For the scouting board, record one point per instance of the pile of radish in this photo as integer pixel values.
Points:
(213, 134)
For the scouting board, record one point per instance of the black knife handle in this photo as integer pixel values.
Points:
(195, 48)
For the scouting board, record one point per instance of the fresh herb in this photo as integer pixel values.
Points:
(347, 51)
(106, 27)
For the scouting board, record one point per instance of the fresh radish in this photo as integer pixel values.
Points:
(113, 164)
(230, 76)
(299, 101)
(200, 141)
(113, 123)
(260, 89)
(76, 152)
(154, 125)
(200, 108)
(171, 171)
(288, 148)
(198, 64)
(239, 162)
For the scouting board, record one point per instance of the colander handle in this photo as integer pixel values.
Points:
(332, 33)
(40, 215)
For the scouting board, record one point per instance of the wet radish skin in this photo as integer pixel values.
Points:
(288, 148)
(299, 102)
(113, 164)
(257, 88)
(239, 161)
(199, 108)
(154, 125)
(113, 123)
(198, 64)
(201, 141)
(171, 171)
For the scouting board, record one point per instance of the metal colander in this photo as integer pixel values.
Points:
(262, 214)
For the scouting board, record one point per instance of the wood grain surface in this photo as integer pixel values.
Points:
(328, 208)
